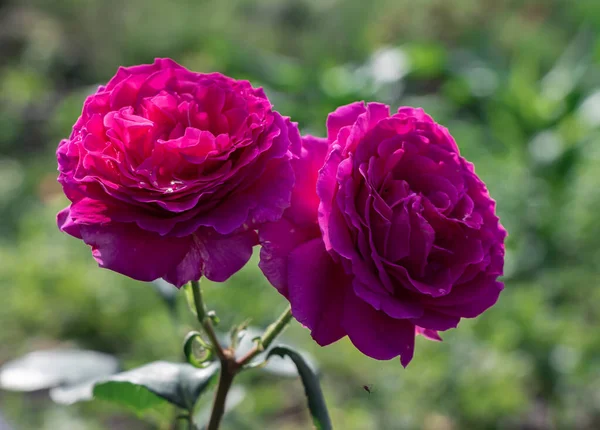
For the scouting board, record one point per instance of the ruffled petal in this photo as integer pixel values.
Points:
(65, 223)
(342, 117)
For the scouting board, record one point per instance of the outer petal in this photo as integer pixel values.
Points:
(428, 334)
(316, 285)
(299, 223)
(342, 117)
(376, 334)
(471, 299)
(278, 240)
(65, 223)
(436, 321)
(326, 189)
(395, 307)
(305, 200)
(131, 251)
(222, 255)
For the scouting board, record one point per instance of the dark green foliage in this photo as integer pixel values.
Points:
(312, 388)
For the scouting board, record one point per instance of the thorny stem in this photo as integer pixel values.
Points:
(229, 365)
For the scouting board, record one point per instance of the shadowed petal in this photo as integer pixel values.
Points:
(223, 255)
(375, 333)
(131, 251)
(278, 239)
(65, 223)
(316, 287)
(437, 321)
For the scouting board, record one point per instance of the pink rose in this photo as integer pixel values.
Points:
(169, 171)
(395, 235)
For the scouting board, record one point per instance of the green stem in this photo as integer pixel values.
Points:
(205, 320)
(229, 365)
(199, 301)
(268, 336)
(228, 372)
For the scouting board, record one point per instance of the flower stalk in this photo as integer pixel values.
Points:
(230, 367)
(205, 321)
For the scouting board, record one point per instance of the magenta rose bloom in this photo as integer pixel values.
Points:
(406, 240)
(170, 171)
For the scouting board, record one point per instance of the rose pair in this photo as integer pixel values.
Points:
(379, 231)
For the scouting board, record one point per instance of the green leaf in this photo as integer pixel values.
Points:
(136, 397)
(178, 383)
(144, 387)
(312, 388)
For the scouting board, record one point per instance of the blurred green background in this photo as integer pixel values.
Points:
(516, 82)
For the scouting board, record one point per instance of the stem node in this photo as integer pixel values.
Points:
(229, 365)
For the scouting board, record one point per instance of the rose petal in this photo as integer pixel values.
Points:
(131, 251)
(469, 300)
(326, 189)
(305, 201)
(395, 307)
(278, 239)
(65, 223)
(316, 285)
(438, 321)
(222, 255)
(429, 334)
(376, 334)
(342, 117)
